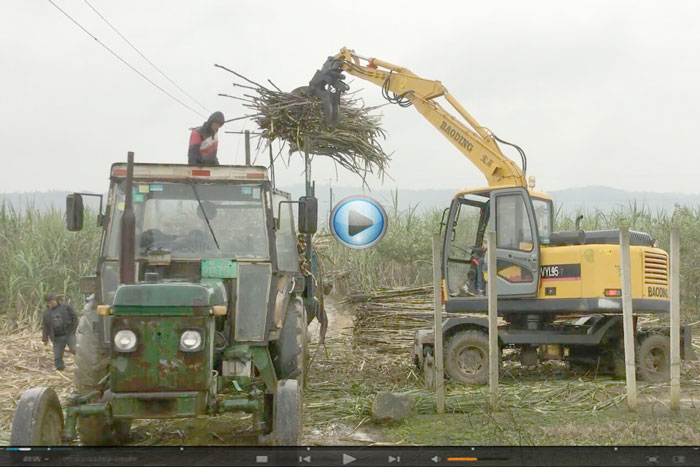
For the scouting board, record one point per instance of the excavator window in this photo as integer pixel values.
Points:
(543, 216)
(466, 238)
(513, 225)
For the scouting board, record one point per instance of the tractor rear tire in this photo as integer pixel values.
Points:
(287, 416)
(38, 419)
(654, 359)
(291, 350)
(92, 365)
(467, 357)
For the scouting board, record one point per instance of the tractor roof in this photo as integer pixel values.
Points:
(190, 172)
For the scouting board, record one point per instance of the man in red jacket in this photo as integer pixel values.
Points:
(204, 141)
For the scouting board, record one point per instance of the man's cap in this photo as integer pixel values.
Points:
(50, 296)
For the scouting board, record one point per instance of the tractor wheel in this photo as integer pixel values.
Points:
(302, 357)
(467, 357)
(286, 423)
(92, 365)
(654, 359)
(291, 350)
(38, 419)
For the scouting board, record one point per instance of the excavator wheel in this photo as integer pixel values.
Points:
(654, 359)
(467, 357)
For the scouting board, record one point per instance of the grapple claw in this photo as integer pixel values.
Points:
(327, 85)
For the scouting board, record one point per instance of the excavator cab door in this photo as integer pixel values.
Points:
(517, 243)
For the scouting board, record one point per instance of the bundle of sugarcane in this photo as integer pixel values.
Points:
(389, 294)
(388, 319)
(297, 119)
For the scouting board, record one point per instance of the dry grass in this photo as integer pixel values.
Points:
(25, 362)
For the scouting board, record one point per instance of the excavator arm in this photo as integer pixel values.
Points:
(403, 87)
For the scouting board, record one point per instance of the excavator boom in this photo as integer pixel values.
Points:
(401, 86)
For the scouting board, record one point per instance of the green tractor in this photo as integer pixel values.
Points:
(198, 307)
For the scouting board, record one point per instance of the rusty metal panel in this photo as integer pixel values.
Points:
(159, 405)
(158, 364)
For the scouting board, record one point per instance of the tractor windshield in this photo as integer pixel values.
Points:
(169, 217)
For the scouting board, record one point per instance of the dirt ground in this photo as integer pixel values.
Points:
(547, 405)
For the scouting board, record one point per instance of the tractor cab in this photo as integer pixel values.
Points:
(196, 307)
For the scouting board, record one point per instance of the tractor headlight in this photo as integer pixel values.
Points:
(190, 341)
(125, 340)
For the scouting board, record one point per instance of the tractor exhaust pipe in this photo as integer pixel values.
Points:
(247, 147)
(127, 255)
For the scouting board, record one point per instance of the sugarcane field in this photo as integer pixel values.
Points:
(467, 249)
(367, 352)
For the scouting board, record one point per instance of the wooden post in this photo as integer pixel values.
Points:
(493, 320)
(675, 287)
(627, 319)
(437, 303)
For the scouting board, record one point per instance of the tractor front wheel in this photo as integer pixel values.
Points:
(38, 420)
(286, 423)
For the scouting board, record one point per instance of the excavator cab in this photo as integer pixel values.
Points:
(519, 235)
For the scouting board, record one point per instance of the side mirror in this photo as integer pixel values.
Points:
(308, 214)
(74, 212)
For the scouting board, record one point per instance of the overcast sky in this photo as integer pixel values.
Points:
(595, 92)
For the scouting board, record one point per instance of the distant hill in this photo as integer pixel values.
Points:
(572, 199)
(606, 199)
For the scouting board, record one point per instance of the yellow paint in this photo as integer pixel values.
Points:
(121, 205)
(599, 263)
(471, 138)
(144, 189)
(601, 272)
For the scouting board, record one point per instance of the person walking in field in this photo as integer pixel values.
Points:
(204, 141)
(58, 325)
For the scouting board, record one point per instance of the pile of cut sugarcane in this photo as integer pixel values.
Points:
(298, 120)
(388, 319)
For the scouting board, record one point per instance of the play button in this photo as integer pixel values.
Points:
(358, 222)
(347, 459)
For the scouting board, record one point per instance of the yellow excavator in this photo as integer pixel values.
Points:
(559, 293)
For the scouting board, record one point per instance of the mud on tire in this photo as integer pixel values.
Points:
(654, 359)
(467, 357)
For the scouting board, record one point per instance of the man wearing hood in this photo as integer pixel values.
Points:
(204, 141)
